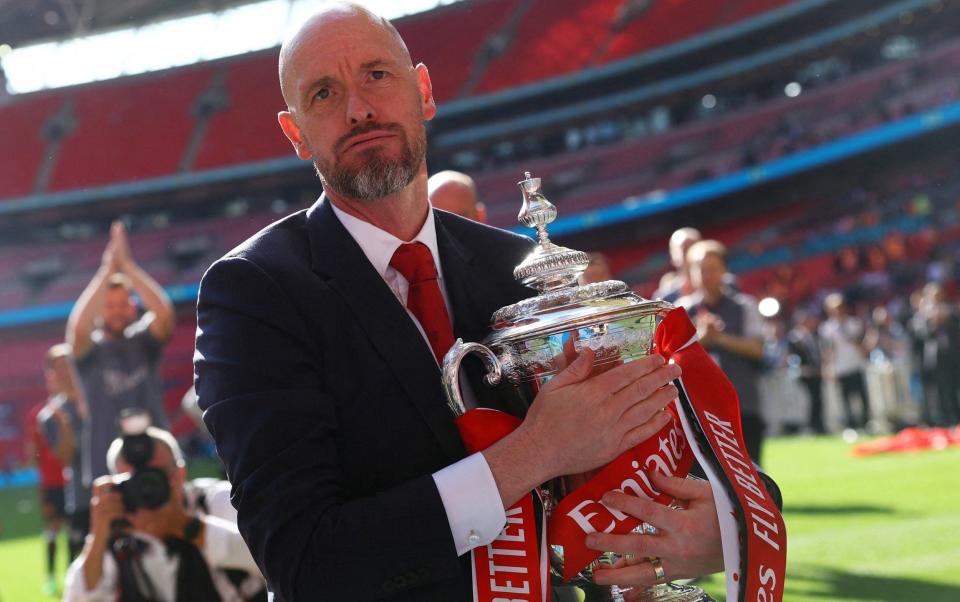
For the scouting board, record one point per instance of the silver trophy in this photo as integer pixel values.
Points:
(536, 338)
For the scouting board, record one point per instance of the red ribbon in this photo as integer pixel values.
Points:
(706, 424)
(513, 566)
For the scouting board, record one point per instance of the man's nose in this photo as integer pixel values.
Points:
(359, 109)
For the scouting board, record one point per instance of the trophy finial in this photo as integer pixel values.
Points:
(549, 266)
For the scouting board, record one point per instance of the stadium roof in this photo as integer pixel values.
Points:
(28, 21)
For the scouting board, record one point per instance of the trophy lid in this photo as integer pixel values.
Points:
(554, 271)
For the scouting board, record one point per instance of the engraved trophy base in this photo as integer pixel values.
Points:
(668, 592)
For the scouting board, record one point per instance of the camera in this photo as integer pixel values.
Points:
(145, 486)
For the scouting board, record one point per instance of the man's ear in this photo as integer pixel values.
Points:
(428, 105)
(292, 132)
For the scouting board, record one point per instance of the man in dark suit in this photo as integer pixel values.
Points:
(317, 366)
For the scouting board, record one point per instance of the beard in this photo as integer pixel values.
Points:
(374, 175)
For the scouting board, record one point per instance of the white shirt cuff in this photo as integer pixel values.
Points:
(472, 502)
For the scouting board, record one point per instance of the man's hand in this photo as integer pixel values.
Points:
(106, 506)
(710, 329)
(581, 422)
(687, 540)
(121, 246)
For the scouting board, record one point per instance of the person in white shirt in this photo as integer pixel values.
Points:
(188, 549)
(844, 360)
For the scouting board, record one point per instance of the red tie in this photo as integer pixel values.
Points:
(424, 298)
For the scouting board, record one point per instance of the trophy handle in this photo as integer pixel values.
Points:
(451, 371)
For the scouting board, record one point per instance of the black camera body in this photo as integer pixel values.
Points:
(145, 486)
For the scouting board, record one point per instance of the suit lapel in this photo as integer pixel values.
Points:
(337, 257)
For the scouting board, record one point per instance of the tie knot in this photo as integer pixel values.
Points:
(415, 261)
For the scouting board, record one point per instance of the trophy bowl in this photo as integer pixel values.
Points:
(536, 338)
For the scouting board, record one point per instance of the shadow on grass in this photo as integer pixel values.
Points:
(830, 584)
(838, 509)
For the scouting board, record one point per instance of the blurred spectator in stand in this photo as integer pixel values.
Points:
(843, 358)
(939, 328)
(63, 423)
(598, 270)
(456, 192)
(888, 343)
(118, 355)
(804, 348)
(731, 329)
(51, 485)
(676, 284)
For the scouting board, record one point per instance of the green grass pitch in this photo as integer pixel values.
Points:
(878, 529)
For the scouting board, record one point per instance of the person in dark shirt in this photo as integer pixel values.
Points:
(804, 346)
(731, 330)
(118, 355)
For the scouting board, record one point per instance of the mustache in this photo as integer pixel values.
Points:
(346, 139)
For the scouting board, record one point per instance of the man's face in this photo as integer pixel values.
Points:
(57, 376)
(118, 311)
(357, 105)
(708, 274)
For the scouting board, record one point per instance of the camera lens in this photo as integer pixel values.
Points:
(147, 488)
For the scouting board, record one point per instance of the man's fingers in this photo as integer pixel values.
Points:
(682, 488)
(638, 434)
(648, 511)
(577, 371)
(645, 386)
(642, 409)
(633, 544)
(639, 573)
(625, 374)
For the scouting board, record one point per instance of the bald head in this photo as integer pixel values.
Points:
(457, 193)
(340, 20)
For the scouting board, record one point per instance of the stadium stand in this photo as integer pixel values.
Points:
(24, 123)
(221, 114)
(128, 130)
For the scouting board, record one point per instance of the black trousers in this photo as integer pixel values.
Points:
(753, 427)
(855, 385)
(814, 387)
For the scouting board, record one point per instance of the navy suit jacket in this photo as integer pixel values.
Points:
(326, 405)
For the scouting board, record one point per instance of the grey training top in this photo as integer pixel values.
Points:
(117, 374)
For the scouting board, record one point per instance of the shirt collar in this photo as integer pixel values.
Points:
(379, 245)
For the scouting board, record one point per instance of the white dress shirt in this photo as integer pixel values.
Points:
(467, 488)
(223, 548)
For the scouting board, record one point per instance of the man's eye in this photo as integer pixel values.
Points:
(378, 74)
(323, 93)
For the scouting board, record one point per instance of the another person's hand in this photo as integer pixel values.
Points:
(581, 420)
(106, 506)
(687, 540)
(710, 329)
(121, 245)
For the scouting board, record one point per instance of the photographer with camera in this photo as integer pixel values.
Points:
(156, 537)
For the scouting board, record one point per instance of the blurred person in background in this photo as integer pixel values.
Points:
(117, 354)
(804, 347)
(187, 549)
(598, 270)
(63, 424)
(51, 485)
(731, 330)
(938, 326)
(888, 342)
(676, 284)
(841, 337)
(456, 192)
